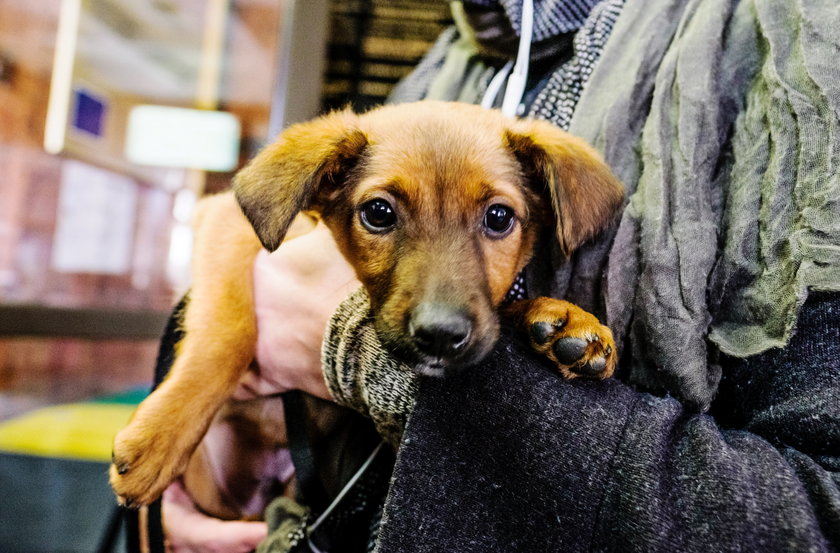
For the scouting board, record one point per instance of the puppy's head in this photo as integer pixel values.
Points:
(437, 206)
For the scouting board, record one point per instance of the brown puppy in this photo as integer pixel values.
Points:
(437, 206)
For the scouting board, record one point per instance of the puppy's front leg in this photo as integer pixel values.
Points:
(218, 347)
(572, 338)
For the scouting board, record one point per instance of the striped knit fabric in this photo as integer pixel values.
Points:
(551, 17)
(557, 100)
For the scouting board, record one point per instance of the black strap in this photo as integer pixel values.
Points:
(154, 527)
(132, 530)
(172, 334)
(345, 504)
(310, 489)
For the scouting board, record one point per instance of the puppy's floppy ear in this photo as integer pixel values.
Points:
(583, 192)
(308, 161)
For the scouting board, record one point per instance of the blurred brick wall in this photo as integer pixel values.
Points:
(37, 370)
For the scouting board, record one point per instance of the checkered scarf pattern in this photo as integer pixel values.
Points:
(557, 100)
(551, 17)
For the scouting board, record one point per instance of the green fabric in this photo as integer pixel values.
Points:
(783, 237)
(129, 397)
(287, 521)
(721, 118)
(464, 75)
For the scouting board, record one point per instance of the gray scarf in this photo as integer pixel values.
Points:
(722, 118)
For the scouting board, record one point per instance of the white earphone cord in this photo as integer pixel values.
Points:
(516, 81)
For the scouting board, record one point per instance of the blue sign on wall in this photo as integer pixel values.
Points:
(89, 115)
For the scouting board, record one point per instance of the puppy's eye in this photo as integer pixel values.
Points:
(498, 220)
(377, 215)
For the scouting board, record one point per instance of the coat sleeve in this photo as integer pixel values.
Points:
(762, 473)
(509, 457)
(361, 375)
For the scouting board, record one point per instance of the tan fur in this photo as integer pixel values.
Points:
(221, 328)
(441, 165)
(162, 434)
(227, 475)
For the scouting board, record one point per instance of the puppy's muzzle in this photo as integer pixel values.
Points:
(440, 332)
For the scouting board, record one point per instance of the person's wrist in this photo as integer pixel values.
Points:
(296, 290)
(341, 338)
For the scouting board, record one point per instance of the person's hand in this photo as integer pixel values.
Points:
(296, 290)
(191, 531)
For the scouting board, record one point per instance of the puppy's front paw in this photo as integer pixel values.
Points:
(147, 457)
(572, 338)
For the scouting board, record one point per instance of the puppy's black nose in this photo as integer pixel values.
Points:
(439, 331)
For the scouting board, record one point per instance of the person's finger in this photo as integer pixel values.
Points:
(190, 531)
(253, 386)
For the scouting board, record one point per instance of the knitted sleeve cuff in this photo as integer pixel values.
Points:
(361, 375)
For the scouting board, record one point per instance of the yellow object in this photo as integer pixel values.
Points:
(75, 431)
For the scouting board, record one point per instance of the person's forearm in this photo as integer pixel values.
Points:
(361, 374)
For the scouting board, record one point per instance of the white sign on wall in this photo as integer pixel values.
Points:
(94, 230)
(179, 137)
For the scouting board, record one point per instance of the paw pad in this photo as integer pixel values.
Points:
(571, 338)
(569, 350)
(542, 332)
(593, 367)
